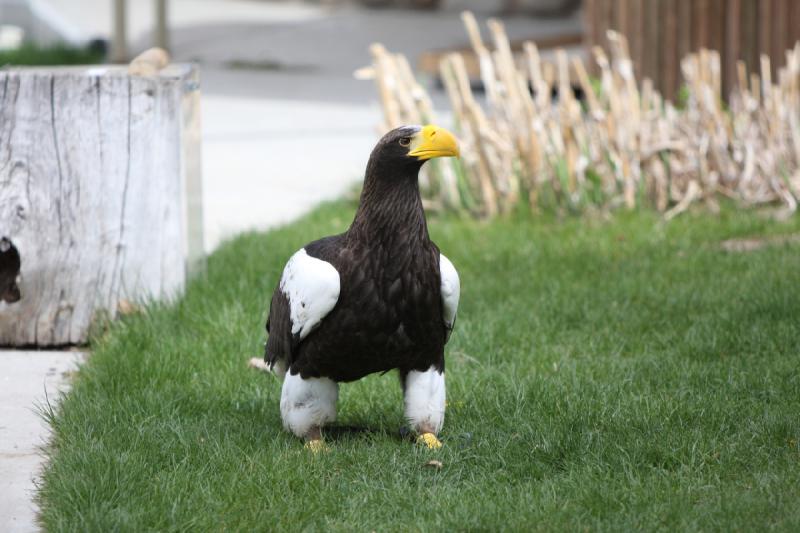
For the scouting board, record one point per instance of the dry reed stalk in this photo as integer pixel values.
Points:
(473, 128)
(627, 147)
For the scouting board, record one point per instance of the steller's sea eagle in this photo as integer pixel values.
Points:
(377, 297)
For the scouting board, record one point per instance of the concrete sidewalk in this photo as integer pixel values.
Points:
(27, 380)
(92, 19)
(267, 162)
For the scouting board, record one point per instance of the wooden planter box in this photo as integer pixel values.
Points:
(100, 195)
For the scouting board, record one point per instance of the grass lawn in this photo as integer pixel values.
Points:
(612, 375)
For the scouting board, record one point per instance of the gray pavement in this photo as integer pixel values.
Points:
(27, 378)
(268, 161)
(315, 59)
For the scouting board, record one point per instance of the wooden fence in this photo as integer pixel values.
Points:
(661, 32)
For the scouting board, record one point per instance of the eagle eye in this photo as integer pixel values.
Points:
(405, 141)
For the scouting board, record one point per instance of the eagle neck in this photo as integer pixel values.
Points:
(390, 212)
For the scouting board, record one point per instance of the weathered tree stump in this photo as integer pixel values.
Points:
(99, 195)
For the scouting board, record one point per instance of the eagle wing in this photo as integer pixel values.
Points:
(308, 291)
(451, 290)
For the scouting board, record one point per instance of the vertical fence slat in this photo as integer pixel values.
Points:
(749, 24)
(733, 43)
(700, 24)
(668, 64)
(684, 28)
(780, 13)
(622, 15)
(651, 43)
(661, 32)
(794, 22)
(716, 26)
(764, 23)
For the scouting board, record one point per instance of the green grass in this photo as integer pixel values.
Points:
(604, 375)
(31, 54)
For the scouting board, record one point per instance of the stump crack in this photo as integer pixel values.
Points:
(121, 243)
(58, 156)
(12, 122)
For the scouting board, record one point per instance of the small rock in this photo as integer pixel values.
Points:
(149, 62)
(126, 307)
(433, 463)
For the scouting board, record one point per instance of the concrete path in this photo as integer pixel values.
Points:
(92, 18)
(314, 60)
(26, 379)
(266, 162)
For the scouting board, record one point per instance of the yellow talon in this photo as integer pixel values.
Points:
(316, 446)
(429, 440)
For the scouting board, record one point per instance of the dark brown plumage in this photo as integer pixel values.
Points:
(389, 309)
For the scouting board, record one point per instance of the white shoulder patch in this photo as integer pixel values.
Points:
(451, 290)
(312, 287)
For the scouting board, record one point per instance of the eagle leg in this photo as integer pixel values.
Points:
(307, 405)
(316, 446)
(424, 399)
(314, 442)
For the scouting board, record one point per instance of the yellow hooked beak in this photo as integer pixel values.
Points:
(433, 141)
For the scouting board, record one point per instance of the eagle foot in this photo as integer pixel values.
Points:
(316, 446)
(429, 440)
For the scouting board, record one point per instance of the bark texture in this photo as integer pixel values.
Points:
(96, 170)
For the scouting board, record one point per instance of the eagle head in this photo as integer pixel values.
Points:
(410, 146)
